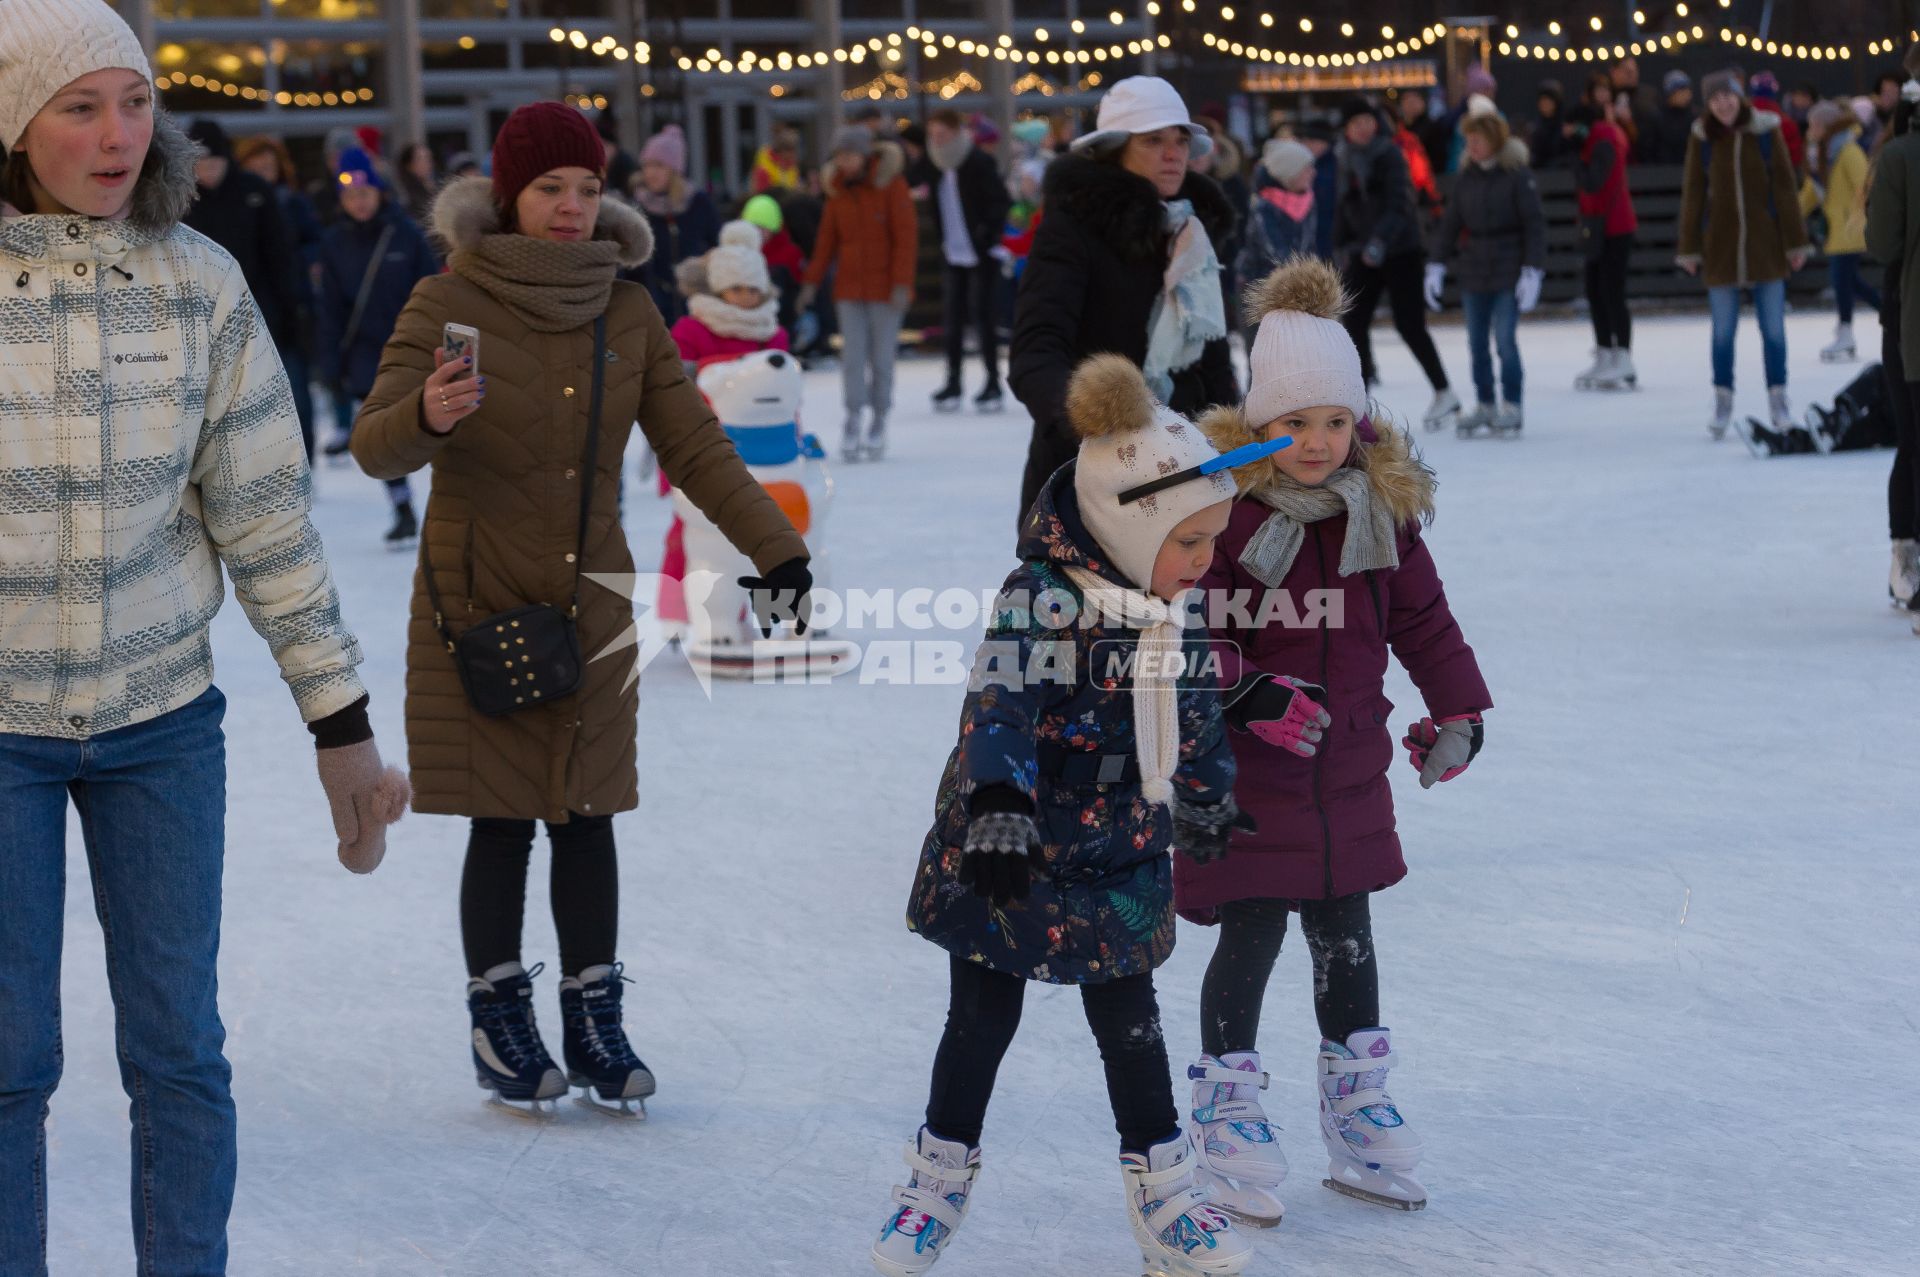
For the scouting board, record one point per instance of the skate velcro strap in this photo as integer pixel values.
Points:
(929, 1204)
(1221, 1073)
(1174, 1207)
(934, 1170)
(1332, 1064)
(1231, 1110)
(1347, 1105)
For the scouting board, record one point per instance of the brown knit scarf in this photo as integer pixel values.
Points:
(552, 286)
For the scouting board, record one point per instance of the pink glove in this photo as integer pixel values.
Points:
(1281, 711)
(364, 797)
(1441, 751)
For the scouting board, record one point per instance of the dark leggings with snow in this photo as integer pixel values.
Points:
(1346, 980)
(1903, 483)
(584, 887)
(984, 1010)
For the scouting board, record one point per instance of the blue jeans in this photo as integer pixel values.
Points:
(1843, 269)
(152, 804)
(1770, 308)
(1496, 315)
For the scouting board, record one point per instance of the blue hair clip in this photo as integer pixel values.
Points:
(1240, 456)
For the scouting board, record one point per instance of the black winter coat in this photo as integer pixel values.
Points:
(351, 359)
(1375, 203)
(984, 201)
(691, 232)
(242, 215)
(1098, 263)
(1493, 224)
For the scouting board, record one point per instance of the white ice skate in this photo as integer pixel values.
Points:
(1241, 1162)
(1840, 350)
(1180, 1231)
(1601, 358)
(1722, 412)
(876, 445)
(1371, 1150)
(929, 1207)
(1445, 404)
(1779, 410)
(1508, 421)
(850, 450)
(1903, 580)
(1478, 417)
(1618, 372)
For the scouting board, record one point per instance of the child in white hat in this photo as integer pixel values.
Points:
(1090, 743)
(1325, 550)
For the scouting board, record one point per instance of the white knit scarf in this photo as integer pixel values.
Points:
(725, 319)
(1156, 720)
(1190, 311)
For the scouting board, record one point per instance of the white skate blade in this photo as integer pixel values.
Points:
(799, 660)
(533, 1110)
(1254, 1205)
(632, 1109)
(1152, 1265)
(1382, 1187)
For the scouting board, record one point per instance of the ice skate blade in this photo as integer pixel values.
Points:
(633, 1109)
(1836, 357)
(1155, 1266)
(1378, 1199)
(1249, 1219)
(545, 1110)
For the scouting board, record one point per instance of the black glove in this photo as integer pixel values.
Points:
(1001, 848)
(781, 595)
(1201, 830)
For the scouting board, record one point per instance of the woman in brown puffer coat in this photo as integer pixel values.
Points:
(1740, 227)
(532, 268)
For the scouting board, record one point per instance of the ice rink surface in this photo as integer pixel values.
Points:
(1652, 973)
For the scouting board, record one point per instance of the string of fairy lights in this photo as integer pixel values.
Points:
(1081, 48)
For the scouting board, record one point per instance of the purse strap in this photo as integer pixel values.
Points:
(587, 466)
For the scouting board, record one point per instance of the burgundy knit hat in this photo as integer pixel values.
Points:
(538, 138)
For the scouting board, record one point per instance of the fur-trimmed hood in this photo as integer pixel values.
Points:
(1125, 211)
(1514, 156)
(1750, 120)
(165, 189)
(1400, 479)
(465, 213)
(889, 160)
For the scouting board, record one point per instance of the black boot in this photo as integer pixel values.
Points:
(405, 530)
(947, 398)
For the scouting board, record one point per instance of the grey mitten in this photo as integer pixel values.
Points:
(1201, 831)
(364, 797)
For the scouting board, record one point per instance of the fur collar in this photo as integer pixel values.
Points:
(889, 161)
(166, 189)
(1401, 481)
(465, 213)
(1751, 121)
(1123, 210)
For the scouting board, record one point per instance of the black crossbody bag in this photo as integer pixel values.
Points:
(528, 655)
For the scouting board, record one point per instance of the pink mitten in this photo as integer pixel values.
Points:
(364, 797)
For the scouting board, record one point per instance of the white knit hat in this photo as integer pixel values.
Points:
(1141, 104)
(1127, 439)
(743, 233)
(45, 45)
(731, 266)
(1301, 356)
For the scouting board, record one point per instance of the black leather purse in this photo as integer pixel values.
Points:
(528, 655)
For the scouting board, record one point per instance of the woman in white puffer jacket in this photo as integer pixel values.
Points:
(147, 439)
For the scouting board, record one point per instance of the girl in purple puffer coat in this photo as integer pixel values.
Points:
(1321, 574)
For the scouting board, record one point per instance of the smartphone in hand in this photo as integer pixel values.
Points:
(462, 342)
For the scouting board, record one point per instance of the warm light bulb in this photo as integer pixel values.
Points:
(1306, 24)
(1594, 22)
(1346, 29)
(1553, 28)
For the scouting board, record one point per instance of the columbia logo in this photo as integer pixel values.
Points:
(147, 357)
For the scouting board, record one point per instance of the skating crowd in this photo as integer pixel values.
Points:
(173, 297)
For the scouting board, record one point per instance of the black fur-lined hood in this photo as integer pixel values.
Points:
(1123, 210)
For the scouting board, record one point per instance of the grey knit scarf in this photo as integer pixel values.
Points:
(554, 287)
(1371, 542)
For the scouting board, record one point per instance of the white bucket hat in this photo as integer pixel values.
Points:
(1141, 104)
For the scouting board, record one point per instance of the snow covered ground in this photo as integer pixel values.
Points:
(1652, 972)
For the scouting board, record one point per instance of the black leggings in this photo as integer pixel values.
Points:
(1400, 278)
(970, 292)
(984, 1010)
(1346, 981)
(584, 886)
(1607, 293)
